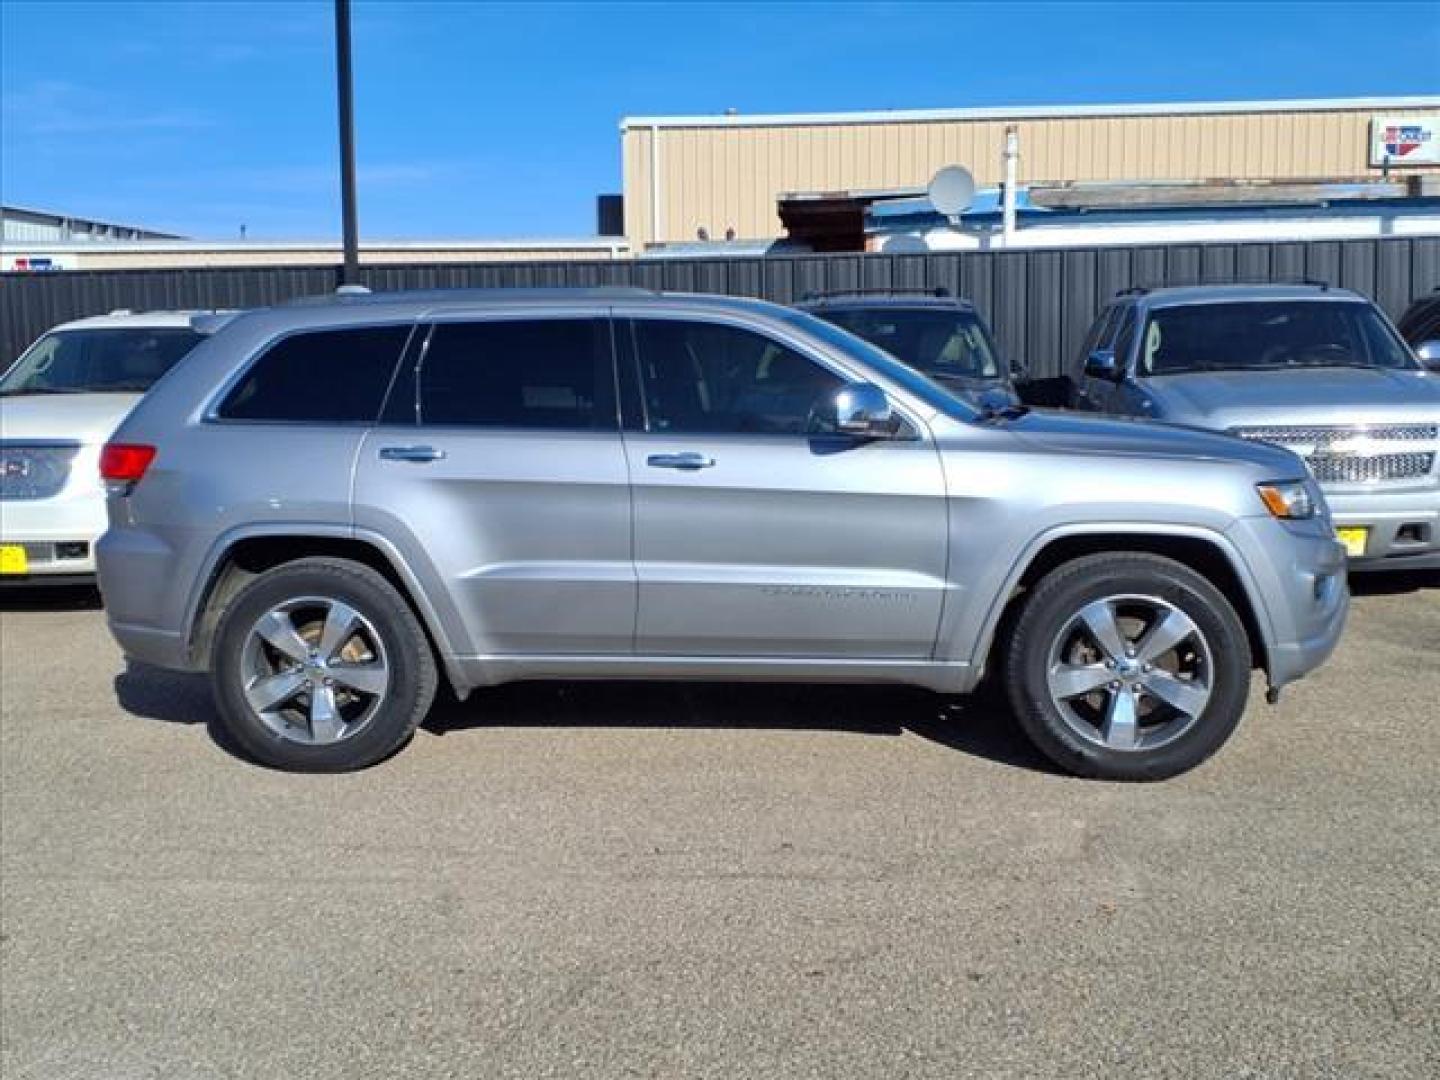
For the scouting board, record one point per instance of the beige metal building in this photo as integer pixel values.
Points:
(719, 173)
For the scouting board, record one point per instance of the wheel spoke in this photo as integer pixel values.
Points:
(370, 678)
(1099, 619)
(325, 720)
(340, 623)
(266, 693)
(1190, 698)
(1120, 730)
(1167, 633)
(1072, 680)
(277, 628)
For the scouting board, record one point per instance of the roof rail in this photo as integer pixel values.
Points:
(470, 294)
(1141, 290)
(940, 292)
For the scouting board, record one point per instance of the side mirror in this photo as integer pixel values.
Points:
(1102, 364)
(1429, 355)
(862, 409)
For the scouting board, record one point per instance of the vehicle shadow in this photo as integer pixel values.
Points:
(1393, 582)
(978, 725)
(172, 697)
(33, 597)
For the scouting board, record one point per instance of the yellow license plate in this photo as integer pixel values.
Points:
(13, 559)
(1354, 538)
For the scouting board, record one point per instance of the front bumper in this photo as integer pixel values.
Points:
(53, 531)
(1402, 527)
(1299, 571)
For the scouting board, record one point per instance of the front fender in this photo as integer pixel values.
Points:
(1140, 536)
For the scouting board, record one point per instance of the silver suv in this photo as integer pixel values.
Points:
(1317, 370)
(327, 505)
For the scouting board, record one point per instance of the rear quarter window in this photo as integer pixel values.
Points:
(319, 376)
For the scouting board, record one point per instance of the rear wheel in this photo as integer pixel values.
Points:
(320, 665)
(1128, 667)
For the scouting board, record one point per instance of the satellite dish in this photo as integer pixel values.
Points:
(951, 190)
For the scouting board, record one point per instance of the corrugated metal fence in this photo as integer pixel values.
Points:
(1039, 302)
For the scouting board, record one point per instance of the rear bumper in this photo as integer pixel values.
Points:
(47, 527)
(151, 646)
(135, 569)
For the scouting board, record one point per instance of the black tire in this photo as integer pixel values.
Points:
(1056, 601)
(413, 677)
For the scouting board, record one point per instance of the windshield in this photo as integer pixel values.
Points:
(1269, 335)
(916, 383)
(938, 341)
(109, 360)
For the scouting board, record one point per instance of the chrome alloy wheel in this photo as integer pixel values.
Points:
(314, 670)
(1130, 672)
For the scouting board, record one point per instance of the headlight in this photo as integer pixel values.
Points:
(1292, 500)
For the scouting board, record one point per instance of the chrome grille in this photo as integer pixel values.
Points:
(1285, 436)
(1355, 453)
(34, 470)
(1333, 469)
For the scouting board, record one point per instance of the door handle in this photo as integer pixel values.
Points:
(419, 454)
(688, 461)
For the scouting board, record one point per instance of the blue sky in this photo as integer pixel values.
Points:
(501, 119)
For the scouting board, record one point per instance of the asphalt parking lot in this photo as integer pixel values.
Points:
(608, 880)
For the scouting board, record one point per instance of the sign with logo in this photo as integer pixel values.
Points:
(35, 264)
(1405, 140)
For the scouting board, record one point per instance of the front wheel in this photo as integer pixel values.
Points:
(1128, 667)
(321, 666)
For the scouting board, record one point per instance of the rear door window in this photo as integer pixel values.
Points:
(320, 376)
(552, 374)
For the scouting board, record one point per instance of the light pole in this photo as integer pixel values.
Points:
(350, 274)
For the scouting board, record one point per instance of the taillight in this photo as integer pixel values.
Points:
(125, 463)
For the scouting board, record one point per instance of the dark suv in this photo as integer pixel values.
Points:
(933, 332)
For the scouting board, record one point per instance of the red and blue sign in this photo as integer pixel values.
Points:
(1405, 140)
(1400, 141)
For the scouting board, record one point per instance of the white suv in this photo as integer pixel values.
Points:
(58, 404)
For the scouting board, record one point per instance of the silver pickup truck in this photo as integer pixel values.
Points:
(1317, 370)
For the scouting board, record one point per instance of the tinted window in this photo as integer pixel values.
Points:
(706, 378)
(936, 340)
(111, 360)
(1097, 337)
(1124, 341)
(857, 350)
(553, 373)
(1422, 321)
(1267, 335)
(324, 376)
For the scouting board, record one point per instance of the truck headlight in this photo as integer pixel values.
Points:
(1291, 500)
